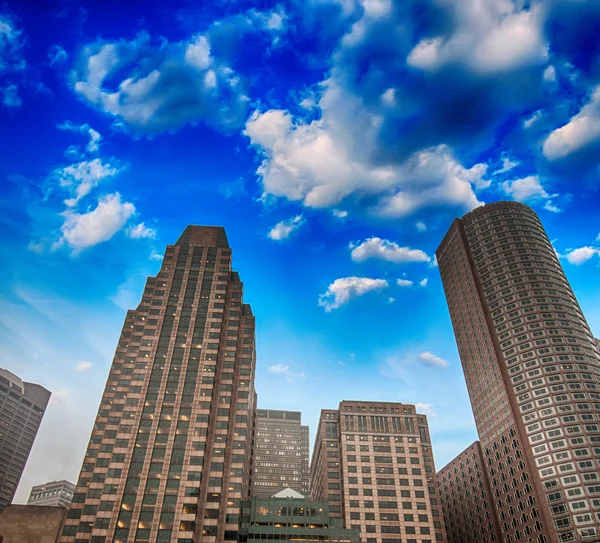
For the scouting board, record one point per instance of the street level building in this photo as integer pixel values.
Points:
(532, 369)
(22, 407)
(169, 455)
(288, 517)
(31, 523)
(280, 453)
(466, 499)
(373, 463)
(54, 493)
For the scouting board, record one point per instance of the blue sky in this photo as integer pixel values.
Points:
(335, 140)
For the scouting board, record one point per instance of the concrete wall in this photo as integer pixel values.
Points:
(31, 523)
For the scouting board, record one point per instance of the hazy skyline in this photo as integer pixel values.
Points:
(335, 155)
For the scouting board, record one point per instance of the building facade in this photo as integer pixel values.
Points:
(287, 517)
(532, 369)
(22, 406)
(169, 455)
(373, 463)
(466, 499)
(31, 523)
(54, 493)
(280, 453)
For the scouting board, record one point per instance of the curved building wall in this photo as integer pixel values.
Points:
(535, 394)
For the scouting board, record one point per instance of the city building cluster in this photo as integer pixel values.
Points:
(181, 453)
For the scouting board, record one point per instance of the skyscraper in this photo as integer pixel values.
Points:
(280, 453)
(169, 455)
(373, 462)
(532, 369)
(22, 407)
(54, 493)
(466, 498)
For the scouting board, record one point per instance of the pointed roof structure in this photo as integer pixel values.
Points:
(288, 493)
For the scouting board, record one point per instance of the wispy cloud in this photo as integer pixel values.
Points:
(426, 409)
(281, 369)
(432, 360)
(284, 229)
(404, 283)
(342, 290)
(83, 366)
(141, 231)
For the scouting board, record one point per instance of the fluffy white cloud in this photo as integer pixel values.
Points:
(82, 177)
(156, 85)
(319, 163)
(342, 290)
(425, 409)
(383, 249)
(582, 131)
(432, 360)
(582, 255)
(140, 231)
(404, 283)
(282, 230)
(527, 189)
(423, 282)
(82, 230)
(490, 38)
(83, 366)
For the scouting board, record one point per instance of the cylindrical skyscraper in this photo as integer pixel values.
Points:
(532, 368)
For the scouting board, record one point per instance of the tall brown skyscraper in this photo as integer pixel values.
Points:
(280, 453)
(169, 455)
(22, 407)
(373, 462)
(532, 369)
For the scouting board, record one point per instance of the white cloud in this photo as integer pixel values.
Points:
(488, 39)
(140, 231)
(155, 256)
(320, 164)
(580, 132)
(404, 283)
(342, 290)
(432, 360)
(339, 213)
(93, 145)
(10, 97)
(83, 366)
(581, 255)
(425, 409)
(423, 282)
(550, 74)
(81, 231)
(282, 230)
(529, 188)
(421, 226)
(530, 121)
(507, 165)
(391, 300)
(383, 249)
(57, 55)
(83, 176)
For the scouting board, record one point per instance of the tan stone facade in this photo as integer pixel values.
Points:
(170, 452)
(31, 523)
(532, 369)
(373, 462)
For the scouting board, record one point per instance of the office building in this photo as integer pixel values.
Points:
(55, 493)
(287, 517)
(466, 499)
(532, 369)
(374, 465)
(169, 455)
(22, 407)
(280, 453)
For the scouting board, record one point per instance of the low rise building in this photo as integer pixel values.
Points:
(54, 493)
(289, 516)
